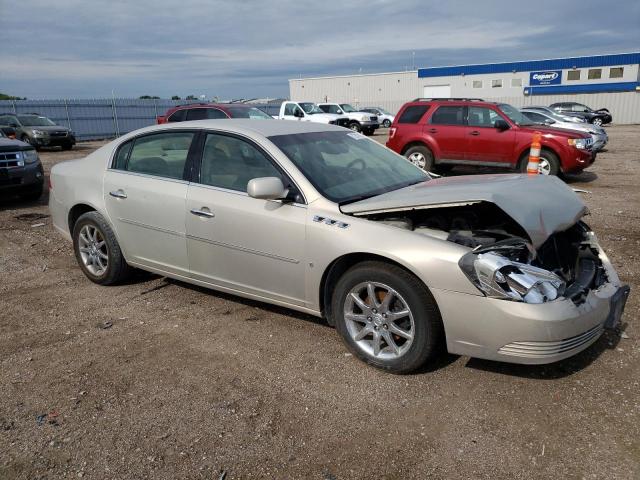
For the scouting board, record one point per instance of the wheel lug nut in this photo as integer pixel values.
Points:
(374, 311)
(385, 326)
(384, 315)
(368, 319)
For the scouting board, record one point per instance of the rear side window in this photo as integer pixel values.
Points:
(448, 116)
(197, 114)
(178, 116)
(162, 154)
(413, 113)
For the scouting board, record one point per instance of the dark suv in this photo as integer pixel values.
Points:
(597, 117)
(38, 130)
(21, 172)
(442, 133)
(211, 111)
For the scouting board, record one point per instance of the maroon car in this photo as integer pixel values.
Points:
(440, 133)
(210, 111)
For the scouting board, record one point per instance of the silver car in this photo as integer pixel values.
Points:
(323, 220)
(598, 134)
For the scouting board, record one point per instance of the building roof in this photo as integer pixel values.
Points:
(533, 65)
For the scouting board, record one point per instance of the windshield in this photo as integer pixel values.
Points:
(384, 112)
(346, 166)
(347, 108)
(310, 108)
(243, 112)
(34, 121)
(514, 115)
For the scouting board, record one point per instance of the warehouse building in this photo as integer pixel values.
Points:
(609, 81)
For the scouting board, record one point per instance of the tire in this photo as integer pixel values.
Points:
(597, 121)
(32, 194)
(67, 146)
(355, 126)
(423, 320)
(368, 131)
(549, 163)
(116, 269)
(386, 123)
(421, 157)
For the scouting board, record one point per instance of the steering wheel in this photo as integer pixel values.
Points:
(356, 161)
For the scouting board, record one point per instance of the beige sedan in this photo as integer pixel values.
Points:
(326, 221)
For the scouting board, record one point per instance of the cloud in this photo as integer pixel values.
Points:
(234, 48)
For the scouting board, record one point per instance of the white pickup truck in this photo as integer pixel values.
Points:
(309, 112)
(359, 121)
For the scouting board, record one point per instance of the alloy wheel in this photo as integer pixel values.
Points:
(544, 167)
(597, 121)
(418, 160)
(379, 320)
(93, 250)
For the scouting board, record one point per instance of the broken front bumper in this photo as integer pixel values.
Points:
(518, 332)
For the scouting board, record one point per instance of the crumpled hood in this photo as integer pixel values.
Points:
(541, 205)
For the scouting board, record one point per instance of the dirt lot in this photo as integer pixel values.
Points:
(159, 379)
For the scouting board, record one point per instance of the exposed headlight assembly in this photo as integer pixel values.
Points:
(498, 276)
(580, 143)
(30, 156)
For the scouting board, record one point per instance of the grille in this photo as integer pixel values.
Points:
(548, 349)
(11, 159)
(58, 134)
(374, 118)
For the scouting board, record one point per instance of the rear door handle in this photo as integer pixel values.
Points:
(118, 194)
(203, 213)
(433, 130)
(475, 133)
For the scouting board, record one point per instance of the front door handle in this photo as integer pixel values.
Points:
(118, 194)
(433, 130)
(475, 133)
(204, 212)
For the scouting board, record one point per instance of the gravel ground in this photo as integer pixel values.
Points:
(160, 379)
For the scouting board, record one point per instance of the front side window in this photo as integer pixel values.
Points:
(290, 109)
(346, 166)
(413, 113)
(161, 154)
(482, 117)
(332, 109)
(347, 108)
(448, 116)
(178, 116)
(573, 75)
(595, 73)
(310, 108)
(229, 162)
(578, 107)
(514, 114)
(616, 72)
(244, 112)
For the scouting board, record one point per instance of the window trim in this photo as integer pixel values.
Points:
(594, 70)
(465, 113)
(197, 163)
(186, 172)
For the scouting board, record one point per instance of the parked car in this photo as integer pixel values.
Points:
(359, 121)
(8, 132)
(598, 134)
(442, 133)
(597, 117)
(310, 112)
(21, 172)
(385, 118)
(211, 111)
(326, 221)
(549, 110)
(39, 131)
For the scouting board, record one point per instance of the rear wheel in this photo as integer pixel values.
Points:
(386, 123)
(387, 317)
(355, 126)
(97, 250)
(421, 157)
(368, 131)
(597, 121)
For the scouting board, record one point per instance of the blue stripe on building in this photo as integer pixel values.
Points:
(584, 88)
(534, 65)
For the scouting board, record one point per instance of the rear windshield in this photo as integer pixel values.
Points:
(243, 112)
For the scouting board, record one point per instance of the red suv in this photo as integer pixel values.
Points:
(441, 133)
(210, 111)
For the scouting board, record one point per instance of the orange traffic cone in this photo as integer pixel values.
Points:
(533, 167)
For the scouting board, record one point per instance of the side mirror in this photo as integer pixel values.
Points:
(501, 125)
(548, 121)
(266, 188)
(298, 113)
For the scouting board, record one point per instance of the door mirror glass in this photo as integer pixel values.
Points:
(266, 188)
(501, 125)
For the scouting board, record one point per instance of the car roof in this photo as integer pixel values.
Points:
(265, 128)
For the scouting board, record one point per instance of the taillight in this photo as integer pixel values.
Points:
(392, 132)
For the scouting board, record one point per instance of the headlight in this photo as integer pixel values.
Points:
(39, 133)
(30, 156)
(497, 276)
(580, 143)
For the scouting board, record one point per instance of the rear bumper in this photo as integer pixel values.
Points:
(517, 332)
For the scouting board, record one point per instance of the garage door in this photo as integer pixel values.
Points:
(437, 91)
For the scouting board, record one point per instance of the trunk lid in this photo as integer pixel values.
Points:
(541, 205)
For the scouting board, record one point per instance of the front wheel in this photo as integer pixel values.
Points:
(421, 157)
(549, 163)
(597, 121)
(33, 143)
(67, 146)
(368, 131)
(97, 250)
(387, 317)
(355, 126)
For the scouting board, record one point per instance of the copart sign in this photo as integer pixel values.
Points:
(551, 77)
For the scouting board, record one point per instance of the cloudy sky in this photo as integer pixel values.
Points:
(249, 48)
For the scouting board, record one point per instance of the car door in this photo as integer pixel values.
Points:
(448, 130)
(145, 194)
(486, 143)
(239, 242)
(289, 111)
